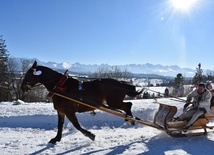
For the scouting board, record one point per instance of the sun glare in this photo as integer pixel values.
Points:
(183, 5)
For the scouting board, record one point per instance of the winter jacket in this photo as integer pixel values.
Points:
(201, 100)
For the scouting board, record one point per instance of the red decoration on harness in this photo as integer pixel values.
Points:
(60, 83)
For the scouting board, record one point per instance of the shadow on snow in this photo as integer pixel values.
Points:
(49, 122)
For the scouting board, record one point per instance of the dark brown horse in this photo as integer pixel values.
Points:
(102, 91)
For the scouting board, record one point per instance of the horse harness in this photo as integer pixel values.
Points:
(61, 87)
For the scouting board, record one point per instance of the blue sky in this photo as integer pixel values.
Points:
(115, 32)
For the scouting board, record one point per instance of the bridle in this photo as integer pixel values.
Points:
(38, 84)
(59, 83)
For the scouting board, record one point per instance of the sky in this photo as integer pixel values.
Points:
(114, 32)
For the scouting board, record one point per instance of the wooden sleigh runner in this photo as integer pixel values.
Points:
(164, 119)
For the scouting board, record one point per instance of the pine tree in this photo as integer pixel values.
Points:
(178, 80)
(198, 75)
(178, 85)
(3, 71)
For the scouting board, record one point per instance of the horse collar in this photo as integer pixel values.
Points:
(59, 86)
(60, 83)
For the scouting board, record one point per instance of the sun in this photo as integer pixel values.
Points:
(183, 5)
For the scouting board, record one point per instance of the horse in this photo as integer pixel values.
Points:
(109, 92)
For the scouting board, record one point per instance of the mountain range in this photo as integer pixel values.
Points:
(133, 68)
(147, 68)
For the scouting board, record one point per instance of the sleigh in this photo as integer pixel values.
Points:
(163, 119)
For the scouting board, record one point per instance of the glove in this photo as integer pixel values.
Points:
(188, 100)
(186, 105)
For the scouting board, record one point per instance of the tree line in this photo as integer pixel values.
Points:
(11, 76)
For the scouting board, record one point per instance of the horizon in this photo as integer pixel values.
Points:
(107, 63)
(114, 32)
(132, 68)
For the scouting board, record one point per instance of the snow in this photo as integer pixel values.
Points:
(66, 65)
(26, 128)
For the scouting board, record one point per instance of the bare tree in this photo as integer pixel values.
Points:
(112, 72)
(12, 77)
(16, 76)
(25, 65)
(35, 95)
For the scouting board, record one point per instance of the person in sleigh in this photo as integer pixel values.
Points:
(197, 104)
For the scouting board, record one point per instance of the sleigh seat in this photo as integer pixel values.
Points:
(201, 121)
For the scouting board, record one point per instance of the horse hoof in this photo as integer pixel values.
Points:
(53, 141)
(92, 136)
(131, 122)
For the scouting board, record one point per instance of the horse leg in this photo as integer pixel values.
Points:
(127, 109)
(125, 106)
(61, 119)
(72, 117)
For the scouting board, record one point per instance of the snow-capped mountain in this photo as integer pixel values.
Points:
(133, 68)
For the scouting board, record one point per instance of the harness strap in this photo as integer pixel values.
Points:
(80, 89)
(60, 83)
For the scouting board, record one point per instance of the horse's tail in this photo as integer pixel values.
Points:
(131, 89)
(134, 93)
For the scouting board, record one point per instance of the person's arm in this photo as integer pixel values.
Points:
(189, 98)
(191, 95)
(206, 102)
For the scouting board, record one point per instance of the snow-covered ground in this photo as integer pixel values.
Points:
(27, 128)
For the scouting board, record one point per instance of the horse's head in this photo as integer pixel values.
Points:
(32, 77)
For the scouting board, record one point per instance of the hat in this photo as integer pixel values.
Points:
(201, 84)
